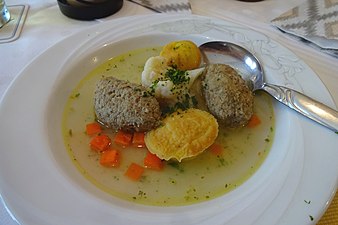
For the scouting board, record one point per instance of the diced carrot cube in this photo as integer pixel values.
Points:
(123, 138)
(138, 139)
(216, 149)
(100, 143)
(93, 128)
(134, 171)
(151, 161)
(254, 121)
(110, 158)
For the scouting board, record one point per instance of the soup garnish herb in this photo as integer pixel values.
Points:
(228, 163)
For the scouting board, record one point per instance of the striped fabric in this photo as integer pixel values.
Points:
(331, 215)
(165, 6)
(315, 21)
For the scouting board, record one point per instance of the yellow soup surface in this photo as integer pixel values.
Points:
(201, 178)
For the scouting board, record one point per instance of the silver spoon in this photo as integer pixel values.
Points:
(252, 72)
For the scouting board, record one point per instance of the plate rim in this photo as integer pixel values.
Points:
(102, 30)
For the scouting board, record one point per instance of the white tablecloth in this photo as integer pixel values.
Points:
(46, 25)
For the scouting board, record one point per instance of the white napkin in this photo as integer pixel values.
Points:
(165, 6)
(315, 21)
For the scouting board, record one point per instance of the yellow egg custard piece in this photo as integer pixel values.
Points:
(183, 134)
(185, 55)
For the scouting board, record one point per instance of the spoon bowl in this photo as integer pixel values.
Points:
(251, 70)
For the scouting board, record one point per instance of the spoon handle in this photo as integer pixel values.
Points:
(305, 105)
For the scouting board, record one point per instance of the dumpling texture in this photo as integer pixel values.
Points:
(183, 134)
(123, 105)
(185, 55)
(227, 96)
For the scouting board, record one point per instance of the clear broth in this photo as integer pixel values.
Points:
(205, 177)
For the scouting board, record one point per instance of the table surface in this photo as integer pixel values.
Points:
(45, 26)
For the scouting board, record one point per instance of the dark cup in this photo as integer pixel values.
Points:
(89, 10)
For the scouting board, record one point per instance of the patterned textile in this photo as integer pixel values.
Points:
(315, 21)
(331, 215)
(165, 6)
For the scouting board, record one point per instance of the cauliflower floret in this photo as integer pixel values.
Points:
(193, 74)
(163, 90)
(155, 76)
(154, 68)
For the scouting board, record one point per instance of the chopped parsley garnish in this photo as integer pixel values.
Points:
(176, 47)
(311, 217)
(221, 160)
(174, 75)
(186, 103)
(180, 80)
(176, 165)
(177, 76)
